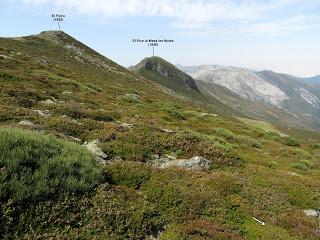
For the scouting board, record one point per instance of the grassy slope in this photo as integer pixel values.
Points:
(252, 173)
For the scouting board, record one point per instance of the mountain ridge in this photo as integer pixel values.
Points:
(282, 90)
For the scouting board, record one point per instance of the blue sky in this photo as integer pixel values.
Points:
(282, 35)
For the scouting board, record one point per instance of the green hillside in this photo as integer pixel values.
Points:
(56, 94)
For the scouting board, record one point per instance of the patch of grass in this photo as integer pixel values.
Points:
(260, 124)
(35, 167)
(131, 98)
(315, 146)
(94, 87)
(273, 164)
(289, 141)
(226, 134)
(99, 115)
(191, 135)
(8, 77)
(45, 75)
(303, 165)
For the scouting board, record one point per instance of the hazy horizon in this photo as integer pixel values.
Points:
(279, 35)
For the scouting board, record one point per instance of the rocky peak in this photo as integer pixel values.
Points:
(167, 70)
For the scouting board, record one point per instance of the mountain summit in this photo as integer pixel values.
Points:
(165, 73)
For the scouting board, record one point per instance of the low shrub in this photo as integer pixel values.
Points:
(76, 111)
(71, 109)
(249, 142)
(315, 146)
(178, 115)
(34, 166)
(64, 126)
(226, 134)
(204, 229)
(99, 115)
(191, 135)
(131, 174)
(91, 125)
(25, 97)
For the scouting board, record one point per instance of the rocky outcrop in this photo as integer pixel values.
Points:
(167, 70)
(196, 163)
(156, 66)
(93, 147)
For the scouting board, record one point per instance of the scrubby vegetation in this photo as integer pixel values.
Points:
(34, 167)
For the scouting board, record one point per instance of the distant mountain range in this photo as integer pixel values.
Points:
(315, 79)
(278, 98)
(298, 96)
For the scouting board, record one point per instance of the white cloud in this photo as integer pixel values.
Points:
(283, 26)
(245, 15)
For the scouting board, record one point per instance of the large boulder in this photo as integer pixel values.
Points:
(25, 123)
(196, 163)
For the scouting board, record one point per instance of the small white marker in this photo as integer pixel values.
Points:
(262, 223)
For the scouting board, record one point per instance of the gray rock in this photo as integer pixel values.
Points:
(5, 57)
(25, 123)
(208, 114)
(76, 122)
(126, 125)
(312, 212)
(170, 157)
(95, 149)
(48, 102)
(45, 113)
(167, 130)
(51, 101)
(74, 139)
(196, 163)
